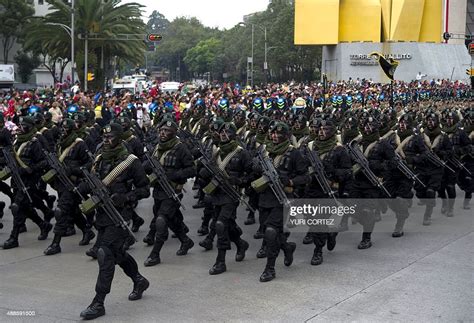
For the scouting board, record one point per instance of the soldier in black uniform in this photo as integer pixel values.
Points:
(127, 184)
(29, 155)
(380, 156)
(5, 143)
(293, 172)
(235, 162)
(467, 158)
(134, 146)
(338, 170)
(460, 143)
(72, 153)
(177, 161)
(430, 173)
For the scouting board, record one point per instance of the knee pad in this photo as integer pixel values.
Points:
(57, 213)
(220, 227)
(161, 225)
(102, 255)
(270, 234)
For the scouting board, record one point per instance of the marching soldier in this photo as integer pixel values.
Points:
(127, 182)
(177, 161)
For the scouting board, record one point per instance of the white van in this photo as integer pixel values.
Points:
(170, 87)
(127, 83)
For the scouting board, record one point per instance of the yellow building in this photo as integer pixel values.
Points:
(329, 22)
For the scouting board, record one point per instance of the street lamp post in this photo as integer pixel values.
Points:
(72, 42)
(265, 63)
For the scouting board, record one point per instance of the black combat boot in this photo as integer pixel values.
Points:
(207, 243)
(398, 232)
(262, 252)
(288, 250)
(269, 271)
(203, 230)
(308, 238)
(95, 310)
(45, 228)
(149, 238)
(186, 244)
(427, 215)
(140, 284)
(137, 223)
(87, 236)
(92, 252)
(450, 212)
(258, 235)
(219, 267)
(70, 231)
(241, 249)
(317, 256)
(331, 241)
(154, 257)
(54, 247)
(365, 243)
(465, 204)
(11, 243)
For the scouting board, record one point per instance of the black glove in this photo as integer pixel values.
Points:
(204, 173)
(83, 188)
(130, 197)
(257, 168)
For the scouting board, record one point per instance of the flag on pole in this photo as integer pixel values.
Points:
(388, 66)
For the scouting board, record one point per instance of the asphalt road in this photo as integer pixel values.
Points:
(425, 276)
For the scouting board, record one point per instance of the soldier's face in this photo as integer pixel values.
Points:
(431, 123)
(368, 128)
(224, 136)
(402, 125)
(277, 137)
(313, 130)
(111, 140)
(450, 121)
(166, 133)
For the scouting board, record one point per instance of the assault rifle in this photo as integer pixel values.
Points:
(434, 159)
(222, 181)
(271, 173)
(58, 168)
(319, 174)
(12, 168)
(161, 176)
(364, 164)
(403, 167)
(101, 196)
(458, 164)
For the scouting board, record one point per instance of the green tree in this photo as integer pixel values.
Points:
(14, 16)
(26, 64)
(96, 19)
(157, 23)
(202, 57)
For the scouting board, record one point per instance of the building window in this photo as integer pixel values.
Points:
(40, 2)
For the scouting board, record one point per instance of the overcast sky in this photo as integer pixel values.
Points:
(212, 13)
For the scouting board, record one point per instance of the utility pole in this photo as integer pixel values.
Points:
(72, 42)
(251, 70)
(265, 64)
(86, 49)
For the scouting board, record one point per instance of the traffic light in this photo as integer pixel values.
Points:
(470, 71)
(153, 37)
(90, 76)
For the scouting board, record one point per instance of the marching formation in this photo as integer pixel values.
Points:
(259, 149)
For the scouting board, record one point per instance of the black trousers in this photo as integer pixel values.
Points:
(68, 212)
(111, 252)
(226, 228)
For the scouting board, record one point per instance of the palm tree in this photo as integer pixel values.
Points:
(102, 19)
